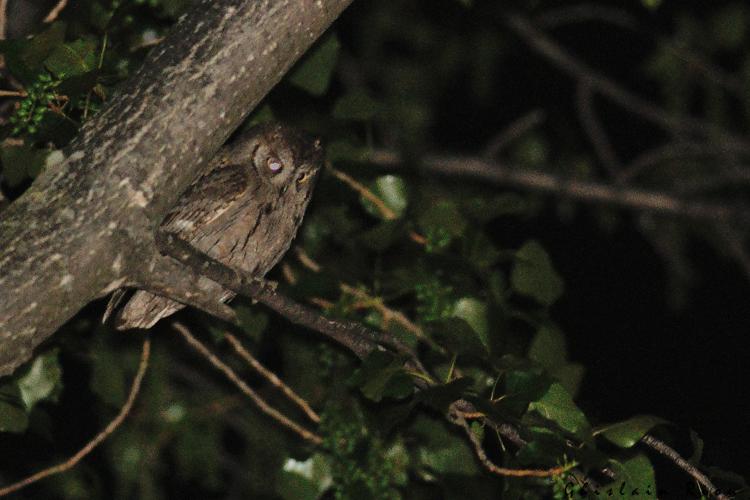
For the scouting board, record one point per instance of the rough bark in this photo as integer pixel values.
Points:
(85, 227)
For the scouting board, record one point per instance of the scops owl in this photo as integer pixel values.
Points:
(244, 211)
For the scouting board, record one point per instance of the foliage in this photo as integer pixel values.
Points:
(479, 304)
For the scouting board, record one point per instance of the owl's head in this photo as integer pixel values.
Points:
(285, 158)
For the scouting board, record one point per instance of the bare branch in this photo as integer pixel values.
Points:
(56, 10)
(245, 389)
(456, 416)
(556, 17)
(384, 209)
(674, 150)
(670, 453)
(513, 131)
(546, 47)
(272, 378)
(135, 388)
(3, 23)
(584, 191)
(595, 131)
(735, 247)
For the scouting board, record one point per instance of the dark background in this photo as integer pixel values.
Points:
(642, 355)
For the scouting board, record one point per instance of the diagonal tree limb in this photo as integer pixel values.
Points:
(350, 334)
(81, 230)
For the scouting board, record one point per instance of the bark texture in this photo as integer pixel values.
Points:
(86, 225)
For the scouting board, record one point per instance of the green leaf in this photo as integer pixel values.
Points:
(382, 375)
(304, 480)
(548, 348)
(557, 405)
(71, 59)
(534, 276)
(439, 397)
(25, 57)
(628, 433)
(458, 337)
(314, 73)
(356, 106)
(42, 380)
(543, 447)
(392, 190)
(474, 312)
(570, 376)
(636, 478)
(442, 451)
(523, 386)
(441, 222)
(480, 251)
(13, 416)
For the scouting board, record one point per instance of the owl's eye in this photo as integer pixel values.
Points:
(274, 165)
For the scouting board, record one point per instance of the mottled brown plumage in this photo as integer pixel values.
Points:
(244, 211)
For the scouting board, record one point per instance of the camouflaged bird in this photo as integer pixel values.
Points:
(244, 212)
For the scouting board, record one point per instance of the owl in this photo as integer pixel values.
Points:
(244, 212)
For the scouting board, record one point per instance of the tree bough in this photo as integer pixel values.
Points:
(85, 227)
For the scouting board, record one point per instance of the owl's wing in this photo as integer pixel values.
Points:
(206, 199)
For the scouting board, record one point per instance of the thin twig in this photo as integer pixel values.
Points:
(557, 17)
(13, 93)
(670, 453)
(457, 417)
(569, 64)
(387, 313)
(735, 247)
(306, 260)
(674, 150)
(3, 23)
(594, 130)
(59, 6)
(272, 378)
(245, 389)
(104, 434)
(513, 131)
(385, 211)
(584, 191)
